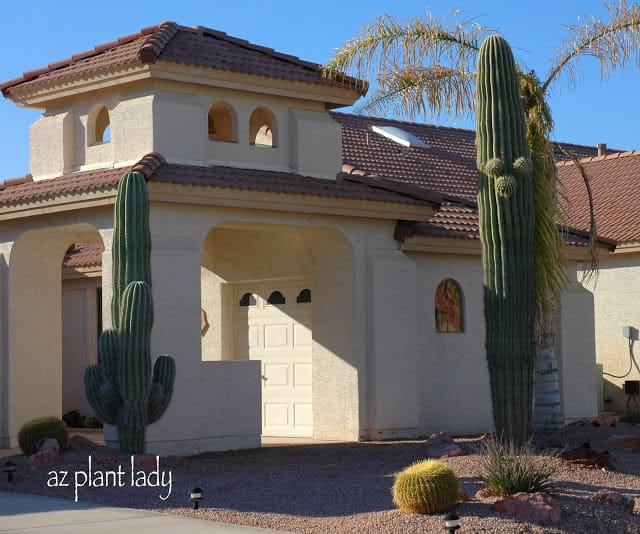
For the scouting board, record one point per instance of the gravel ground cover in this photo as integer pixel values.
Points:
(327, 488)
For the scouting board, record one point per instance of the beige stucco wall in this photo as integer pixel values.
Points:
(454, 388)
(393, 406)
(172, 119)
(616, 293)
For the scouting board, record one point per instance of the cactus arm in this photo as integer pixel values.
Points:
(164, 372)
(136, 320)
(109, 354)
(103, 398)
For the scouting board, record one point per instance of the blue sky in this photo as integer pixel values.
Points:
(38, 32)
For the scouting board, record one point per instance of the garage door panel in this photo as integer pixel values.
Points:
(276, 336)
(277, 414)
(302, 374)
(301, 335)
(276, 375)
(281, 337)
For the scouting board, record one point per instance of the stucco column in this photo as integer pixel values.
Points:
(577, 361)
(337, 334)
(392, 345)
(5, 250)
(175, 272)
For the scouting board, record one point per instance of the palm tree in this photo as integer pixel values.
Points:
(425, 66)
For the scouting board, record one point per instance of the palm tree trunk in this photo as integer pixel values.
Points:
(547, 403)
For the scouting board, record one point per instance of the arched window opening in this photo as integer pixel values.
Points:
(276, 298)
(448, 306)
(304, 296)
(99, 127)
(222, 122)
(247, 300)
(262, 128)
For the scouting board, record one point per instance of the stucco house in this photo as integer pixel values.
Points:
(613, 180)
(315, 274)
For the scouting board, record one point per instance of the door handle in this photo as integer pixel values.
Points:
(264, 378)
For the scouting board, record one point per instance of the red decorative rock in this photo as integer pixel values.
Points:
(585, 456)
(627, 443)
(531, 507)
(45, 458)
(606, 419)
(442, 446)
(145, 461)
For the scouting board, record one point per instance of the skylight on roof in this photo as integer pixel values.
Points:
(400, 136)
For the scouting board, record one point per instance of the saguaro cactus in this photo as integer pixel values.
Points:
(505, 204)
(121, 388)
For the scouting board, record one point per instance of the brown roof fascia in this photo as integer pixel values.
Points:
(351, 174)
(604, 242)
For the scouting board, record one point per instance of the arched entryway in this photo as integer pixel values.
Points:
(284, 295)
(35, 339)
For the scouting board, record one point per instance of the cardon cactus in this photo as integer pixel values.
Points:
(33, 432)
(122, 388)
(506, 212)
(426, 487)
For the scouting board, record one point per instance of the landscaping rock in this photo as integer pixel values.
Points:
(442, 446)
(45, 458)
(616, 499)
(606, 419)
(532, 507)
(79, 443)
(627, 443)
(49, 443)
(585, 456)
(484, 494)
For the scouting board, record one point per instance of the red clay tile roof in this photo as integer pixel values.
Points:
(157, 170)
(447, 167)
(83, 255)
(173, 43)
(614, 183)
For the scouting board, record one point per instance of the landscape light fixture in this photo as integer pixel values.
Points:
(451, 522)
(196, 496)
(9, 468)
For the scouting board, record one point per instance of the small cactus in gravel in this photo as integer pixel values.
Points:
(426, 487)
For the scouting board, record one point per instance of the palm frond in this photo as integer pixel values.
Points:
(613, 44)
(422, 91)
(387, 47)
(550, 264)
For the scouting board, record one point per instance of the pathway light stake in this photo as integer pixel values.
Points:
(9, 468)
(451, 522)
(196, 496)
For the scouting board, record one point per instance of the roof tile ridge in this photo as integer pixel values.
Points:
(353, 174)
(592, 159)
(258, 48)
(20, 180)
(400, 121)
(149, 164)
(157, 41)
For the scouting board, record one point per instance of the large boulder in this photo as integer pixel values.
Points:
(530, 507)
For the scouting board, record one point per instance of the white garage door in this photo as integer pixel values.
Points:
(273, 324)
